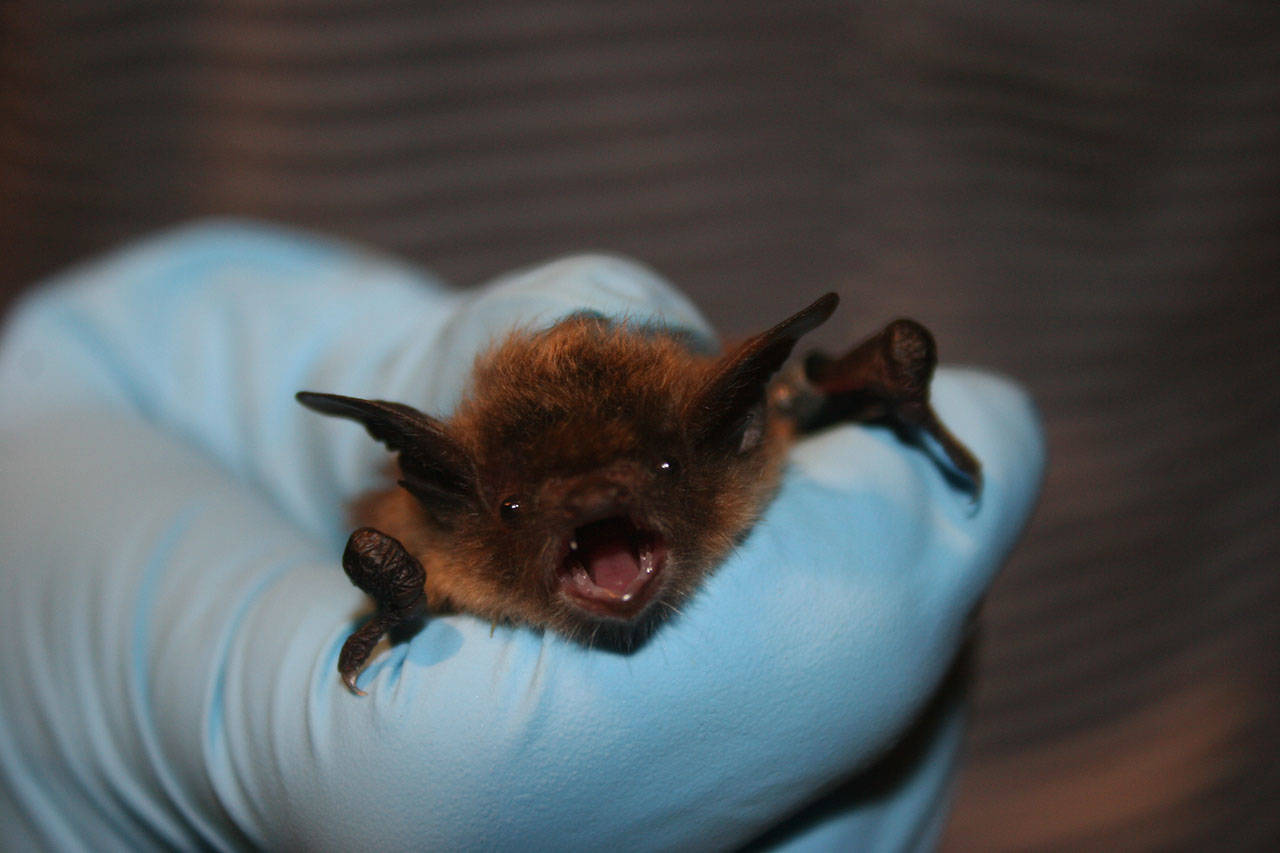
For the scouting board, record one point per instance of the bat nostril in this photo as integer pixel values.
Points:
(596, 498)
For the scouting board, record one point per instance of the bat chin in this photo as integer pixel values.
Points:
(612, 567)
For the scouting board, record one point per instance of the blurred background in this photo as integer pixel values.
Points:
(1084, 195)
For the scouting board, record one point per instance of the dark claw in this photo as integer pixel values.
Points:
(887, 377)
(380, 566)
(355, 651)
(924, 418)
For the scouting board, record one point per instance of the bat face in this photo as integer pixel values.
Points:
(601, 503)
(592, 477)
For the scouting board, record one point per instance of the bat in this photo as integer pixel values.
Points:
(597, 472)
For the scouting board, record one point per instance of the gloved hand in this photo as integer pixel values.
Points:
(173, 602)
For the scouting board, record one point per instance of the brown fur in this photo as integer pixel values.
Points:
(583, 398)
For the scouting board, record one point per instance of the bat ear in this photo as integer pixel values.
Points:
(437, 470)
(729, 407)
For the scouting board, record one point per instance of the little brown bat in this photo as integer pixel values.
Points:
(596, 472)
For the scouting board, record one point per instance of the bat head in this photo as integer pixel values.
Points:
(593, 476)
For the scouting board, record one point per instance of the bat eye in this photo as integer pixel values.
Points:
(510, 509)
(667, 468)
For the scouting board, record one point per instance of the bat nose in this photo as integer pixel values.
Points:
(597, 498)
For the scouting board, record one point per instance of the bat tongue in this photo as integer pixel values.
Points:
(613, 565)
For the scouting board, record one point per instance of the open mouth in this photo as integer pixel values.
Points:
(611, 566)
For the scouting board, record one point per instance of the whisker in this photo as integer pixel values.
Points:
(672, 608)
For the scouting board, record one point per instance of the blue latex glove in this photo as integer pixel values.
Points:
(173, 605)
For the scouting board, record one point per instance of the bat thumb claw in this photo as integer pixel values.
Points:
(349, 679)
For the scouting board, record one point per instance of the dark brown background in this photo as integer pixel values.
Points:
(1084, 195)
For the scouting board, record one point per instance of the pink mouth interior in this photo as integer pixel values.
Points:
(607, 550)
(610, 564)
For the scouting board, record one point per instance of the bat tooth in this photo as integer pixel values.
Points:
(581, 578)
